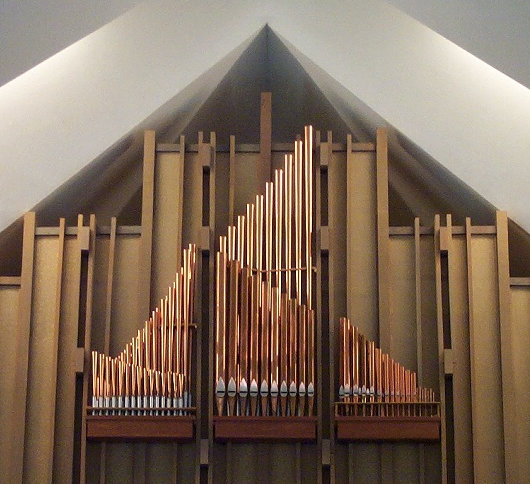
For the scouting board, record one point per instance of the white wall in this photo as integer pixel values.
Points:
(498, 32)
(70, 109)
(33, 30)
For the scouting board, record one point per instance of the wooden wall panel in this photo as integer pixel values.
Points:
(8, 319)
(192, 199)
(167, 222)
(520, 314)
(459, 316)
(488, 445)
(402, 281)
(362, 243)
(40, 404)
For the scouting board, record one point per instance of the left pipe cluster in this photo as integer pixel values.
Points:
(152, 375)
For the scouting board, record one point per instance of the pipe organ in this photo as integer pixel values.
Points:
(303, 339)
(265, 321)
(373, 384)
(151, 376)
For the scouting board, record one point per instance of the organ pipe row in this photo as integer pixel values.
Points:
(152, 375)
(373, 384)
(264, 318)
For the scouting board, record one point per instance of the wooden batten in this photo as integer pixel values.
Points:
(16, 435)
(265, 140)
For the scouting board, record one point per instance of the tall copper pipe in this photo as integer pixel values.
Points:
(220, 316)
(284, 355)
(293, 341)
(254, 328)
(308, 178)
(278, 197)
(265, 333)
(244, 324)
(269, 199)
(250, 235)
(298, 217)
(241, 239)
(310, 360)
(288, 222)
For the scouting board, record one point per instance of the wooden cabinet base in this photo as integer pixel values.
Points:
(277, 429)
(426, 429)
(139, 427)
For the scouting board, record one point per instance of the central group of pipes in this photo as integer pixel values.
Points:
(264, 318)
(152, 375)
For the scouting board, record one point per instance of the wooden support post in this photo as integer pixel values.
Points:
(107, 328)
(146, 244)
(265, 142)
(383, 250)
(145, 264)
(419, 333)
(511, 456)
(87, 341)
(232, 181)
(208, 153)
(439, 323)
(18, 403)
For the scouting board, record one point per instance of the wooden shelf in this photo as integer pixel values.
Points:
(420, 429)
(140, 427)
(277, 429)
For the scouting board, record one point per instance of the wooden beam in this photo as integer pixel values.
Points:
(511, 457)
(264, 170)
(146, 245)
(22, 330)
(10, 280)
(439, 324)
(383, 249)
(87, 336)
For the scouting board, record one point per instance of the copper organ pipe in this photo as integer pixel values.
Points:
(377, 384)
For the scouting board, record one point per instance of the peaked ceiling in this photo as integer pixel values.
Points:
(83, 110)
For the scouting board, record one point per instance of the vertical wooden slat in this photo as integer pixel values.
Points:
(145, 264)
(108, 316)
(439, 325)
(265, 141)
(87, 341)
(458, 316)
(520, 317)
(318, 340)
(148, 188)
(210, 161)
(16, 433)
(383, 257)
(42, 365)
(55, 337)
(66, 363)
(232, 180)
(511, 455)
(383, 283)
(419, 333)
(488, 428)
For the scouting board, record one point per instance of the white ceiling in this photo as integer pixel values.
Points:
(78, 104)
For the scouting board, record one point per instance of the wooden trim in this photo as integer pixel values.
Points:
(383, 249)
(124, 428)
(10, 280)
(439, 324)
(55, 337)
(472, 337)
(18, 421)
(265, 143)
(271, 429)
(146, 244)
(419, 330)
(232, 180)
(210, 159)
(511, 457)
(519, 281)
(317, 238)
(255, 147)
(108, 317)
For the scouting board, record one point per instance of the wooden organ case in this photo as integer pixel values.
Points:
(437, 298)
